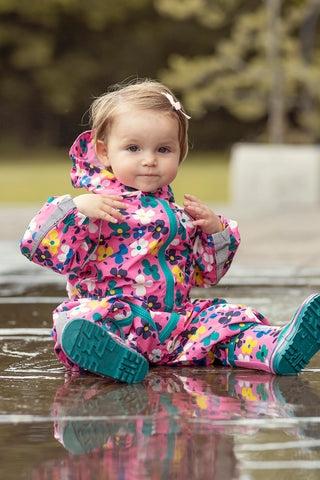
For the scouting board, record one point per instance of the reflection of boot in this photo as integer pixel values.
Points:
(84, 435)
(98, 351)
(304, 399)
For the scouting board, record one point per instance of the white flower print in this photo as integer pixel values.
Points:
(144, 215)
(249, 313)
(244, 358)
(186, 220)
(79, 310)
(96, 182)
(209, 261)
(140, 247)
(31, 229)
(197, 246)
(92, 227)
(155, 355)
(63, 256)
(175, 242)
(141, 285)
(172, 345)
(91, 284)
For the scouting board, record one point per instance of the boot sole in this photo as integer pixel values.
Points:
(93, 349)
(301, 340)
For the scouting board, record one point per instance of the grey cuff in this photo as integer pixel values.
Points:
(66, 205)
(221, 242)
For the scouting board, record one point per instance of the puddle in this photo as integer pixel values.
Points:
(195, 423)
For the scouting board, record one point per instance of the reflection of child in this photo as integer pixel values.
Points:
(132, 255)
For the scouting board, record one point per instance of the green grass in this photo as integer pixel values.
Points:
(32, 178)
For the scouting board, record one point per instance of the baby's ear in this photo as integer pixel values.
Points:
(102, 153)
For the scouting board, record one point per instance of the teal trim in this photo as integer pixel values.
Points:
(231, 347)
(169, 297)
(170, 326)
(138, 311)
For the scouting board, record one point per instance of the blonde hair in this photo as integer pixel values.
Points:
(143, 94)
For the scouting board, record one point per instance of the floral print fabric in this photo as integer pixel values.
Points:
(133, 278)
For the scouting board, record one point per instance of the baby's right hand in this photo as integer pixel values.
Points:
(97, 206)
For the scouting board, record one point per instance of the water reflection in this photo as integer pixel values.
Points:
(177, 424)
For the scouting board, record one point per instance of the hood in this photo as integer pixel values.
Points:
(88, 172)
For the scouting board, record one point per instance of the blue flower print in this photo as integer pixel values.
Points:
(260, 332)
(227, 318)
(138, 232)
(118, 272)
(118, 256)
(152, 302)
(172, 256)
(85, 181)
(44, 257)
(149, 269)
(145, 330)
(158, 229)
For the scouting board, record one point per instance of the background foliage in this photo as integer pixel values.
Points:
(56, 55)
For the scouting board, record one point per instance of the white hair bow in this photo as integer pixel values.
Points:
(176, 105)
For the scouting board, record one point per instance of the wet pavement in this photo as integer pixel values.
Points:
(197, 423)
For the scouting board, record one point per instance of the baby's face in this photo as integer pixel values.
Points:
(142, 149)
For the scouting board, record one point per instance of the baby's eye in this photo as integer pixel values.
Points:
(164, 149)
(133, 148)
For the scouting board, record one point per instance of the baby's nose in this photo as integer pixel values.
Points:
(149, 159)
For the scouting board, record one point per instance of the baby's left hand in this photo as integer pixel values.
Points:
(203, 216)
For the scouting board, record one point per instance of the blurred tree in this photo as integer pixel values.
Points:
(266, 60)
(56, 55)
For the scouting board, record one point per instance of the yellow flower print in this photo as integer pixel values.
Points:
(202, 402)
(98, 303)
(52, 241)
(198, 332)
(246, 393)
(106, 173)
(154, 247)
(198, 277)
(178, 274)
(104, 252)
(248, 346)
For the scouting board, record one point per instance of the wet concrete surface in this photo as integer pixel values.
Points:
(197, 423)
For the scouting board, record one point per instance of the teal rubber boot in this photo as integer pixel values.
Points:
(298, 341)
(94, 349)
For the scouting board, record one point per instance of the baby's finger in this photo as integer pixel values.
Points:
(113, 212)
(114, 202)
(107, 216)
(192, 198)
(201, 222)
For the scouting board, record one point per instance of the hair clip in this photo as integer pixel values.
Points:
(175, 105)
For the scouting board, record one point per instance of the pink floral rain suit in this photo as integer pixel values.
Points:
(134, 278)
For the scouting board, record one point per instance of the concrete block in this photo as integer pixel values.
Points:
(272, 176)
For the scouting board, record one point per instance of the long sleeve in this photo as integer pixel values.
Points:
(213, 254)
(60, 237)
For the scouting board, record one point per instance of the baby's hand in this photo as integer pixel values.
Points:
(105, 207)
(204, 217)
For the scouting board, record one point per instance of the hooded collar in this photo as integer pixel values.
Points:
(88, 172)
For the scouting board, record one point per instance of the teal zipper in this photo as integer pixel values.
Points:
(169, 297)
(170, 326)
